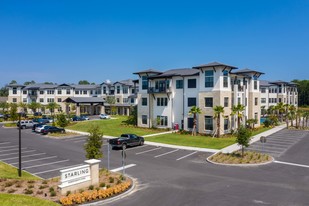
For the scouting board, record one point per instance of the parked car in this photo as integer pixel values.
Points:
(41, 121)
(78, 118)
(35, 125)
(1, 116)
(104, 116)
(25, 124)
(126, 140)
(85, 117)
(6, 116)
(49, 119)
(50, 129)
(40, 128)
(37, 114)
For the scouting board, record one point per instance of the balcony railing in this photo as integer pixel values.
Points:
(153, 90)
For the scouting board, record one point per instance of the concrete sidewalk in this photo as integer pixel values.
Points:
(255, 138)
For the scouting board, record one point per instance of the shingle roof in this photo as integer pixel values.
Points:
(176, 72)
(128, 82)
(265, 83)
(15, 85)
(84, 100)
(148, 71)
(41, 86)
(85, 86)
(243, 71)
(214, 64)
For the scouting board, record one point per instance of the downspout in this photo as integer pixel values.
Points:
(183, 103)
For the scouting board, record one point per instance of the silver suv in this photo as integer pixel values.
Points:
(25, 124)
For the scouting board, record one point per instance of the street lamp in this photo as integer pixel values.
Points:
(19, 131)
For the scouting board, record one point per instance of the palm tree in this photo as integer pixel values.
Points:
(194, 111)
(51, 107)
(306, 116)
(23, 106)
(34, 106)
(280, 110)
(292, 110)
(237, 110)
(299, 114)
(218, 111)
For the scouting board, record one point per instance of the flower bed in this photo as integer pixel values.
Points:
(236, 158)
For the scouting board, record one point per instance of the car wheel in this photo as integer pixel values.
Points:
(141, 143)
(23, 127)
(62, 131)
(124, 146)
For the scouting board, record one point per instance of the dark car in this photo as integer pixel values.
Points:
(37, 114)
(126, 140)
(36, 125)
(41, 121)
(77, 118)
(50, 129)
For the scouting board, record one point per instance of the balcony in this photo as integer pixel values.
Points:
(33, 93)
(157, 90)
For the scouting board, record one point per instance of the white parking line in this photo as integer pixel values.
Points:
(75, 138)
(60, 168)
(35, 160)
(293, 164)
(23, 156)
(148, 150)
(12, 149)
(17, 153)
(167, 153)
(121, 168)
(5, 143)
(8, 147)
(45, 164)
(83, 140)
(187, 155)
(137, 147)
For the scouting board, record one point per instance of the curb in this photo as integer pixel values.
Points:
(118, 197)
(240, 165)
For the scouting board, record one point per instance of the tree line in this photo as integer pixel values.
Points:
(303, 92)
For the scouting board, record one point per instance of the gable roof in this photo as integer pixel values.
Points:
(84, 100)
(214, 64)
(176, 72)
(148, 71)
(127, 82)
(246, 71)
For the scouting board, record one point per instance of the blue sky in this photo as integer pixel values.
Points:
(67, 41)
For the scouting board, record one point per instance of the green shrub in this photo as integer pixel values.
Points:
(30, 181)
(28, 191)
(111, 180)
(51, 189)
(108, 186)
(30, 186)
(102, 184)
(11, 191)
(91, 187)
(8, 184)
(119, 182)
(43, 187)
(94, 143)
(39, 192)
(53, 194)
(68, 193)
(44, 182)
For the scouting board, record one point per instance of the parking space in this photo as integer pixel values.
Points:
(277, 144)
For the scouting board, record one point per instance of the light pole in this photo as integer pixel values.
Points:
(19, 146)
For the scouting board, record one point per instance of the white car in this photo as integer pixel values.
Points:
(40, 128)
(104, 116)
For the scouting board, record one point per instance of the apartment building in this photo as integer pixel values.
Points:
(165, 98)
(123, 95)
(87, 98)
(273, 92)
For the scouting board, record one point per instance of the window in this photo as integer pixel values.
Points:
(41, 92)
(117, 100)
(208, 123)
(14, 90)
(263, 100)
(226, 124)
(255, 83)
(25, 92)
(256, 116)
(68, 91)
(133, 91)
(49, 91)
(191, 83)
(118, 90)
(50, 100)
(162, 120)
(246, 101)
(225, 79)
(144, 82)
(162, 101)
(144, 101)
(256, 101)
(280, 100)
(144, 119)
(125, 89)
(238, 100)
(191, 101)
(125, 100)
(226, 102)
(104, 90)
(179, 84)
(209, 78)
(25, 100)
(59, 91)
(59, 100)
(263, 90)
(85, 92)
(190, 122)
(41, 100)
(76, 91)
(14, 100)
(208, 102)
(132, 100)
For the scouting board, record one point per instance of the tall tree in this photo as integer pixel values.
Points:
(29, 83)
(280, 110)
(13, 111)
(218, 111)
(303, 92)
(243, 138)
(13, 82)
(23, 106)
(4, 92)
(51, 107)
(238, 111)
(83, 82)
(34, 106)
(111, 100)
(292, 111)
(194, 111)
(4, 106)
(94, 143)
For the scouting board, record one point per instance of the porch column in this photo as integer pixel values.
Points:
(91, 109)
(77, 109)
(102, 109)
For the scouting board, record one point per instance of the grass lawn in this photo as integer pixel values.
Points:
(9, 172)
(113, 127)
(23, 200)
(193, 141)
(198, 141)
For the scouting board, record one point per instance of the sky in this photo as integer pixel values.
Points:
(67, 41)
